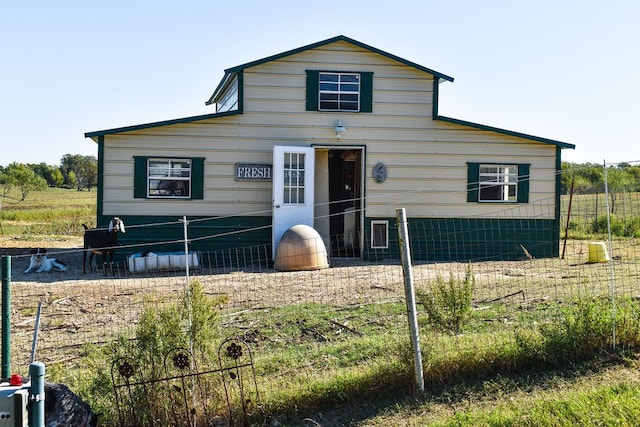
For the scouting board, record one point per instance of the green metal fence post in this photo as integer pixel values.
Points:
(36, 395)
(6, 316)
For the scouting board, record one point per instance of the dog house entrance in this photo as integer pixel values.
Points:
(345, 201)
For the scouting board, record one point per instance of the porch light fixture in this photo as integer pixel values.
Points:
(339, 128)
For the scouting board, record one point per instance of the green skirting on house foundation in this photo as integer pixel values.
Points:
(464, 239)
(166, 234)
(431, 239)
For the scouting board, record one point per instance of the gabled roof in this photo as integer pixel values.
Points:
(98, 133)
(504, 131)
(229, 73)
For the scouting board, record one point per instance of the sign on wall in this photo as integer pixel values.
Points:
(253, 172)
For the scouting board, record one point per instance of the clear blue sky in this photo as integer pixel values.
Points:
(565, 70)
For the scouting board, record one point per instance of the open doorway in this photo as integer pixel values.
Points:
(345, 201)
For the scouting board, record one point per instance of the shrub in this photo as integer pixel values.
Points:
(625, 227)
(448, 303)
(192, 322)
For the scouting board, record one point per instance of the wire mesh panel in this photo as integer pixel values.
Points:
(333, 320)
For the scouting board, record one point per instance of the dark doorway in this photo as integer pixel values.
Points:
(345, 188)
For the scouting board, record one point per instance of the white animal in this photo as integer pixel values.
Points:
(40, 263)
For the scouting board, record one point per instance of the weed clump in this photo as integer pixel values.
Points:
(176, 336)
(448, 303)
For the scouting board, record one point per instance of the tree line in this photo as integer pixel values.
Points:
(75, 171)
(589, 178)
(81, 172)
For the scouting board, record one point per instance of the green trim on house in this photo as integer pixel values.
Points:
(558, 189)
(197, 178)
(470, 239)
(473, 177)
(504, 131)
(230, 71)
(133, 128)
(248, 239)
(240, 109)
(524, 178)
(140, 178)
(313, 90)
(222, 86)
(242, 234)
(435, 99)
(366, 92)
(100, 183)
(313, 78)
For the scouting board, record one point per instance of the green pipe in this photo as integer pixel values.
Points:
(36, 395)
(6, 316)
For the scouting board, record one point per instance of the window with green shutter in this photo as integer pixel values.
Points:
(339, 91)
(168, 178)
(496, 182)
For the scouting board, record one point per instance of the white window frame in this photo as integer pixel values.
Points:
(500, 180)
(378, 222)
(294, 178)
(341, 88)
(169, 178)
(229, 101)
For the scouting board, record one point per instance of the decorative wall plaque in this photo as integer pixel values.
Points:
(253, 172)
(379, 172)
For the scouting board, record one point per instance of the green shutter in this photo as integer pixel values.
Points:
(523, 183)
(139, 177)
(473, 175)
(366, 92)
(197, 178)
(312, 90)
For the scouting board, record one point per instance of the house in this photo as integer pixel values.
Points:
(336, 135)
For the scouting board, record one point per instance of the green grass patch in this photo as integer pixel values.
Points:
(55, 211)
(301, 374)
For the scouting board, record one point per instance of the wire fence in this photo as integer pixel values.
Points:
(350, 297)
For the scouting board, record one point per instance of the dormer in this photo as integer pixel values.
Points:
(328, 90)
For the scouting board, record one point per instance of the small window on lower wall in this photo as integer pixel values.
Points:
(379, 234)
(487, 182)
(168, 178)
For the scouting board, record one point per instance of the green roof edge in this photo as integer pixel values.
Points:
(504, 131)
(230, 71)
(158, 124)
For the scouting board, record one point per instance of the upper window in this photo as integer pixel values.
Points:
(229, 99)
(168, 178)
(339, 91)
(498, 182)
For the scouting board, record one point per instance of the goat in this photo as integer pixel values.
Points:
(103, 242)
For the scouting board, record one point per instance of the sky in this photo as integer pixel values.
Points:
(560, 69)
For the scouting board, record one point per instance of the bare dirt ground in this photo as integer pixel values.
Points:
(78, 308)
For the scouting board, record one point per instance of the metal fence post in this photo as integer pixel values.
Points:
(6, 316)
(36, 395)
(611, 276)
(410, 296)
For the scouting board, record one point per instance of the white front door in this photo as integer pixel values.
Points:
(293, 171)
